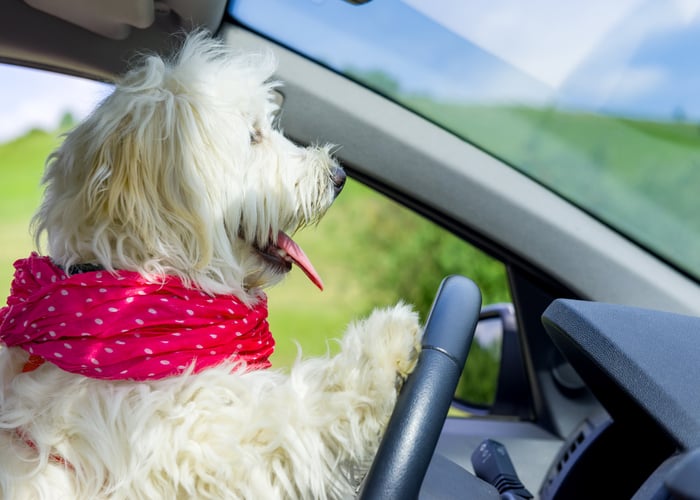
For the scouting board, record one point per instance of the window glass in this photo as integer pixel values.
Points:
(36, 107)
(479, 380)
(371, 252)
(596, 100)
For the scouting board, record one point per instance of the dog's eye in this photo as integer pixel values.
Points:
(256, 136)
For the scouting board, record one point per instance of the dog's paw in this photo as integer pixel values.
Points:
(390, 338)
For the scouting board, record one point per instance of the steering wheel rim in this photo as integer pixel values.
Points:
(414, 428)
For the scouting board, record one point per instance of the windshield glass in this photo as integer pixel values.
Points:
(596, 100)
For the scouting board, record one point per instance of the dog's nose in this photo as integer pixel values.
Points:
(338, 177)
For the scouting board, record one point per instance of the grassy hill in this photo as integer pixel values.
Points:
(372, 252)
(21, 164)
(638, 175)
(369, 251)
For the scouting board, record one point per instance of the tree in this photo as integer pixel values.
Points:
(67, 121)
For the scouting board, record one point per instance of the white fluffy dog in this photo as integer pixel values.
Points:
(134, 352)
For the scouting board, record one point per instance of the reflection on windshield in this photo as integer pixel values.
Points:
(597, 101)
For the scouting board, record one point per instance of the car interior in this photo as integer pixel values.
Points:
(596, 396)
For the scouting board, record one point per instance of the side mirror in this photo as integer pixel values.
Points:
(494, 380)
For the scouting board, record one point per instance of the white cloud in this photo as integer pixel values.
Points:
(37, 99)
(689, 9)
(547, 39)
(629, 84)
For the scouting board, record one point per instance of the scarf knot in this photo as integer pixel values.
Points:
(122, 326)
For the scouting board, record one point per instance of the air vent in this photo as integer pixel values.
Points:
(568, 462)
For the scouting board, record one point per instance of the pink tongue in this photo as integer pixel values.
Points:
(299, 257)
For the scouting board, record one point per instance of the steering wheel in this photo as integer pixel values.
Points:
(414, 428)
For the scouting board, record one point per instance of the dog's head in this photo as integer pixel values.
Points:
(180, 171)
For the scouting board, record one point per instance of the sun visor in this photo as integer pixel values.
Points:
(105, 17)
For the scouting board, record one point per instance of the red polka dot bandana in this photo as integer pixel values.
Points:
(121, 326)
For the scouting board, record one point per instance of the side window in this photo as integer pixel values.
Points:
(370, 251)
(36, 107)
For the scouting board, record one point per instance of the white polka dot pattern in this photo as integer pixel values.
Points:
(124, 327)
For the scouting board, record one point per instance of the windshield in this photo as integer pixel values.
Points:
(597, 100)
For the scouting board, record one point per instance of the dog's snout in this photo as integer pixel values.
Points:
(338, 177)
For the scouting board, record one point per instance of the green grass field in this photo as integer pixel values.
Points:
(369, 251)
(21, 164)
(372, 252)
(637, 174)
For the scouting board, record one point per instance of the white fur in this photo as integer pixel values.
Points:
(163, 178)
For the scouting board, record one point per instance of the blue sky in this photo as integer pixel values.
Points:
(630, 57)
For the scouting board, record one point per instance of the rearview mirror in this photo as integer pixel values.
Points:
(494, 380)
